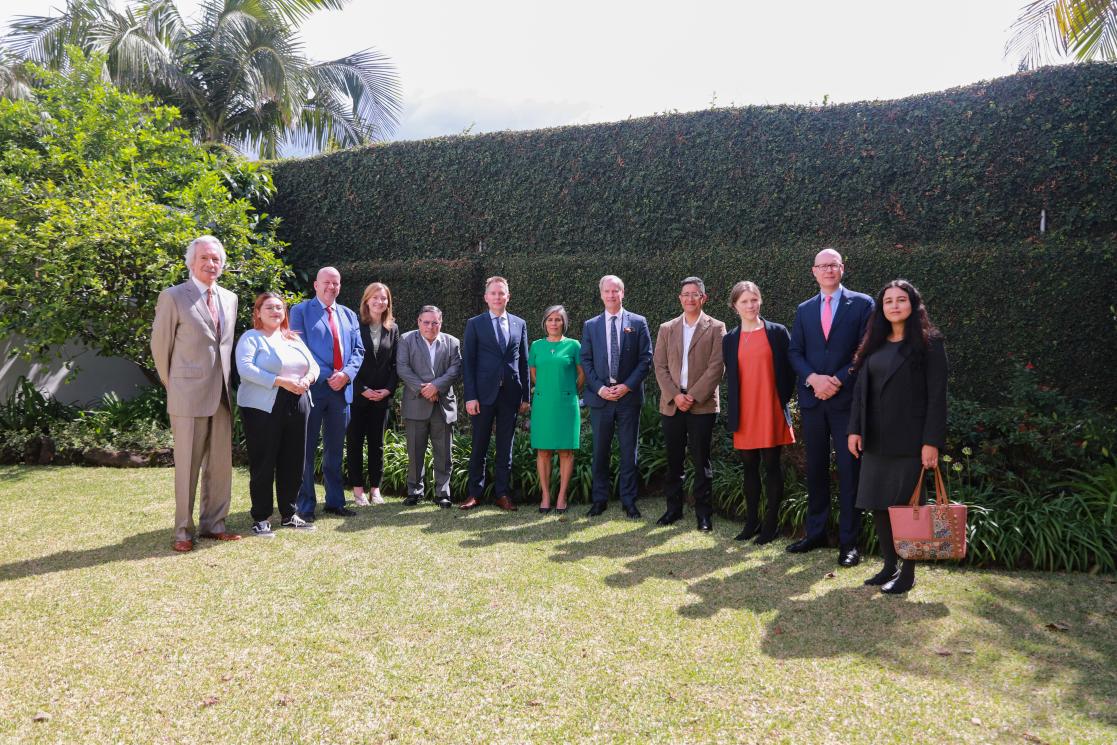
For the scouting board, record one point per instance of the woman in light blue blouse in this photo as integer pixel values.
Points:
(276, 370)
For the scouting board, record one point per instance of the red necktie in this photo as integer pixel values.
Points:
(338, 364)
(213, 312)
(827, 317)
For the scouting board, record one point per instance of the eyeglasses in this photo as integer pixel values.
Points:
(828, 267)
(430, 323)
(690, 296)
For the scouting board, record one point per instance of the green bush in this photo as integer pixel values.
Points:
(99, 195)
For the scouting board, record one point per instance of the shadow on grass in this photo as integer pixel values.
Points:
(13, 474)
(153, 543)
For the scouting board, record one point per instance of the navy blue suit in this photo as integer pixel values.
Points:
(826, 422)
(329, 414)
(497, 379)
(622, 417)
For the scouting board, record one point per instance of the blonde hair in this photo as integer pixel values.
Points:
(387, 318)
(740, 289)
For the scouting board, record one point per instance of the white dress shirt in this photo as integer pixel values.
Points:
(688, 335)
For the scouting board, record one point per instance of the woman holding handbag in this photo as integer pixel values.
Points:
(898, 417)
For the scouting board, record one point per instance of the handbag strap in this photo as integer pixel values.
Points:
(940, 488)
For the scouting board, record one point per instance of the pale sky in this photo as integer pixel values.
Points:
(491, 65)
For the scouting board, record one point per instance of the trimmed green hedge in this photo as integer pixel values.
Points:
(998, 306)
(967, 164)
(944, 189)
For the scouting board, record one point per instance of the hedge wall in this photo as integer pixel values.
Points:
(974, 163)
(1001, 306)
(945, 189)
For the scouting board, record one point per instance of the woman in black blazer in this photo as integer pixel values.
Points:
(760, 381)
(373, 389)
(898, 417)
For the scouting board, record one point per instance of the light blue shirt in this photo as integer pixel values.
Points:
(259, 362)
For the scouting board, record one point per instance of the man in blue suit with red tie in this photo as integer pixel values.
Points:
(616, 357)
(827, 331)
(494, 367)
(332, 332)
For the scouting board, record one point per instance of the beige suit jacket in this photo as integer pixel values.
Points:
(192, 363)
(704, 364)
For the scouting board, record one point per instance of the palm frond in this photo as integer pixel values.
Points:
(369, 80)
(1052, 29)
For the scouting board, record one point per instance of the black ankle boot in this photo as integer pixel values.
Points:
(748, 531)
(885, 575)
(904, 581)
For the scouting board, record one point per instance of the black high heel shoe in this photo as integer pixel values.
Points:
(545, 510)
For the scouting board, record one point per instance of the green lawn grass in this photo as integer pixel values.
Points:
(420, 625)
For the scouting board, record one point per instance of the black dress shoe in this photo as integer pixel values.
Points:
(884, 576)
(411, 501)
(809, 543)
(705, 524)
(596, 509)
(849, 558)
(340, 511)
(445, 503)
(669, 517)
(632, 512)
(747, 532)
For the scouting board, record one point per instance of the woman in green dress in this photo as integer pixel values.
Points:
(556, 373)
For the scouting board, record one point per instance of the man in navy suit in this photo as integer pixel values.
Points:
(494, 365)
(616, 357)
(332, 332)
(827, 331)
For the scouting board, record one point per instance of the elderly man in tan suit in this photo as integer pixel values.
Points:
(688, 367)
(192, 343)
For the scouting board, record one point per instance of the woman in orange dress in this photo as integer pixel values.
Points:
(760, 383)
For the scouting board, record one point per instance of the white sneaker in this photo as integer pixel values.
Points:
(262, 529)
(376, 498)
(296, 522)
(360, 500)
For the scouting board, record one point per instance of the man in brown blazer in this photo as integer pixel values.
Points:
(192, 343)
(688, 367)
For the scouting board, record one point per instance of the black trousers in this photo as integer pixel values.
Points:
(682, 431)
(276, 443)
(366, 428)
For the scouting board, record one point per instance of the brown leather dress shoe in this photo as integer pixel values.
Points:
(222, 536)
(469, 504)
(505, 503)
(184, 546)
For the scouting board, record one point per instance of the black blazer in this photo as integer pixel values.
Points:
(912, 404)
(779, 340)
(378, 370)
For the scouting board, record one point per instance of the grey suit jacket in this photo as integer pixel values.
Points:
(193, 363)
(413, 363)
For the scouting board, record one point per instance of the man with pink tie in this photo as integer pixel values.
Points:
(192, 343)
(826, 333)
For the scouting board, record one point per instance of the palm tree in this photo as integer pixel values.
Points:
(237, 73)
(1085, 29)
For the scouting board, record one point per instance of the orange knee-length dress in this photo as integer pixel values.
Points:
(761, 422)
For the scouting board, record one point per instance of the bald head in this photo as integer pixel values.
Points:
(828, 270)
(327, 285)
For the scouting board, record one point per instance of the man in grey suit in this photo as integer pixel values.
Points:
(192, 343)
(429, 362)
